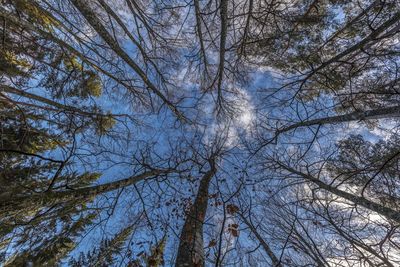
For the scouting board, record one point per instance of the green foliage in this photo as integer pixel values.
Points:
(93, 84)
(11, 65)
(35, 14)
(105, 255)
(155, 257)
(89, 85)
(53, 248)
(41, 229)
(104, 123)
(71, 63)
(31, 59)
(89, 82)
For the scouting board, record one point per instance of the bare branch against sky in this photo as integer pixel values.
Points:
(200, 133)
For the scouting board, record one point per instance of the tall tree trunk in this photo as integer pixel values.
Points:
(191, 248)
(199, 32)
(381, 113)
(361, 201)
(353, 21)
(95, 22)
(358, 244)
(53, 197)
(274, 259)
(372, 38)
(224, 31)
(59, 106)
(62, 43)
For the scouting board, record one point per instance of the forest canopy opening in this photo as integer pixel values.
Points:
(200, 133)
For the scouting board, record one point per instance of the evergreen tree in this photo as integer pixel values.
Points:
(287, 111)
(105, 254)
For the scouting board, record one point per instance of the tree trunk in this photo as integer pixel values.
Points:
(191, 248)
(95, 22)
(372, 38)
(274, 259)
(65, 45)
(54, 197)
(381, 113)
(59, 106)
(224, 30)
(361, 201)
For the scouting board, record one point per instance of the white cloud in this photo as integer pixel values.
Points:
(241, 122)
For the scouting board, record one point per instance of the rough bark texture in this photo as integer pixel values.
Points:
(191, 247)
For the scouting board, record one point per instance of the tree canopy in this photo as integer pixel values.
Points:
(200, 133)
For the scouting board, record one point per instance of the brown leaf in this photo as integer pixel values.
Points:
(234, 232)
(232, 209)
(212, 243)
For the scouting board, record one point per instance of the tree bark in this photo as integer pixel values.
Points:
(363, 202)
(54, 197)
(191, 246)
(274, 259)
(95, 22)
(65, 45)
(353, 116)
(52, 103)
(372, 37)
(224, 31)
